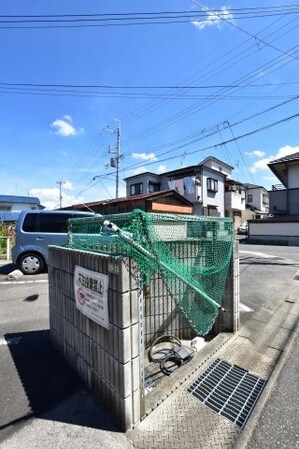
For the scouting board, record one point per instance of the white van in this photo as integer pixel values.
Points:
(35, 230)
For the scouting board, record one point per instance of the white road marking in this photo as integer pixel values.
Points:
(244, 308)
(40, 281)
(268, 256)
(255, 253)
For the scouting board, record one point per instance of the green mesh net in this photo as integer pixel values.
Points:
(192, 253)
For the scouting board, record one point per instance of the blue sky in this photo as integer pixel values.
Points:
(177, 91)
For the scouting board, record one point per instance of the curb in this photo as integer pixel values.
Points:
(246, 435)
(14, 275)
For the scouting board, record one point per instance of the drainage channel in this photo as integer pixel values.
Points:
(228, 390)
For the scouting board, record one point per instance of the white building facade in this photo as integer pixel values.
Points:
(202, 184)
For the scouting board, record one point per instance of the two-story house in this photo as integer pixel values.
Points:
(11, 206)
(257, 202)
(284, 197)
(202, 184)
(282, 227)
(234, 201)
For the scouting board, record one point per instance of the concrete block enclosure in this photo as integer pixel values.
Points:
(111, 357)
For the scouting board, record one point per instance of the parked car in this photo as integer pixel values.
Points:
(35, 230)
(243, 228)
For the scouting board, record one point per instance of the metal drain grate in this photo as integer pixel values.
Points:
(228, 390)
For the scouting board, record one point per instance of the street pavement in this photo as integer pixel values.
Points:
(278, 424)
(45, 405)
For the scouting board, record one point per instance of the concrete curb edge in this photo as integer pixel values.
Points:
(256, 414)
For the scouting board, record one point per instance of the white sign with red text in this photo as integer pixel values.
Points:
(91, 295)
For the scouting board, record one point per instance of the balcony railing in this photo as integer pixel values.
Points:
(278, 187)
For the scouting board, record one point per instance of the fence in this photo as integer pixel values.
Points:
(5, 248)
(111, 357)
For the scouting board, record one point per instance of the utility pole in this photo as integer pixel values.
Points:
(114, 161)
(117, 158)
(60, 192)
(237, 171)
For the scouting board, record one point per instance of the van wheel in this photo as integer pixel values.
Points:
(31, 263)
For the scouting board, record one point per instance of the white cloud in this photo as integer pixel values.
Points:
(143, 169)
(68, 118)
(162, 169)
(269, 178)
(63, 127)
(68, 185)
(256, 153)
(139, 170)
(49, 197)
(213, 19)
(262, 164)
(144, 156)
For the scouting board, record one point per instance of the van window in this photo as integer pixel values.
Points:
(54, 223)
(30, 222)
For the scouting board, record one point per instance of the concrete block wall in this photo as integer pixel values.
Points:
(106, 360)
(229, 320)
(110, 361)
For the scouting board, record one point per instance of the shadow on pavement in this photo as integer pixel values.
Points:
(31, 298)
(7, 268)
(54, 391)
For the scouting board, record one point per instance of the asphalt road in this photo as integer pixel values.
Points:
(34, 379)
(37, 388)
(278, 424)
(33, 376)
(264, 270)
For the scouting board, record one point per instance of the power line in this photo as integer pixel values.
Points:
(140, 96)
(196, 107)
(223, 18)
(152, 106)
(274, 8)
(239, 150)
(214, 129)
(125, 87)
(142, 18)
(214, 146)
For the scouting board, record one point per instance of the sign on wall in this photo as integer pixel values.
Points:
(91, 295)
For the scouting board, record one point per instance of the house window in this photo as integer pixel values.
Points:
(136, 189)
(212, 185)
(213, 211)
(153, 187)
(249, 198)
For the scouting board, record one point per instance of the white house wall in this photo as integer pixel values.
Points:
(257, 198)
(274, 229)
(282, 233)
(144, 179)
(233, 200)
(17, 207)
(213, 199)
(293, 177)
(215, 165)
